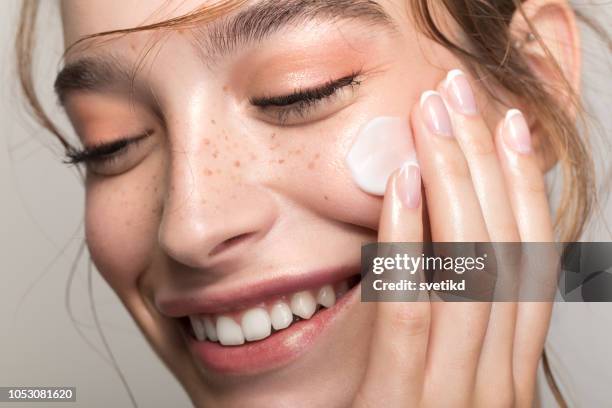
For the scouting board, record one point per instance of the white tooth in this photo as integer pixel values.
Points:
(229, 332)
(256, 324)
(303, 304)
(198, 328)
(209, 327)
(326, 296)
(281, 315)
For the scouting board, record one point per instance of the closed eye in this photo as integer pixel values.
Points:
(299, 104)
(105, 151)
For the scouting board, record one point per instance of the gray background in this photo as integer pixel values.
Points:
(41, 209)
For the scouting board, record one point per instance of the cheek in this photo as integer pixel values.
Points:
(307, 167)
(315, 172)
(120, 226)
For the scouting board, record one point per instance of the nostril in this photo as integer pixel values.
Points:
(231, 242)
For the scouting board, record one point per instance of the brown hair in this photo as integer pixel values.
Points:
(486, 50)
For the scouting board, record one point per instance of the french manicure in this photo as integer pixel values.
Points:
(435, 114)
(516, 132)
(460, 93)
(408, 185)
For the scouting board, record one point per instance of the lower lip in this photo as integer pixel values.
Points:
(278, 350)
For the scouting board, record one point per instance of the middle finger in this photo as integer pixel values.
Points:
(457, 329)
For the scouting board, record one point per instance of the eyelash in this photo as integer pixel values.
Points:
(299, 102)
(302, 100)
(105, 153)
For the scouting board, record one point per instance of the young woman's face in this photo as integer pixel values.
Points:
(236, 197)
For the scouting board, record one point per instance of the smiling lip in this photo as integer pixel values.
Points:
(275, 351)
(248, 294)
(278, 349)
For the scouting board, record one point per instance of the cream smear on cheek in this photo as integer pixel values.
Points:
(382, 146)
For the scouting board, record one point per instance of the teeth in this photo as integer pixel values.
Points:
(198, 328)
(303, 304)
(256, 324)
(229, 332)
(326, 296)
(281, 315)
(211, 331)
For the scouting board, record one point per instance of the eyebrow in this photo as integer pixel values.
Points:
(250, 25)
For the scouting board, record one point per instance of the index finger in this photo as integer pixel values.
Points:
(399, 347)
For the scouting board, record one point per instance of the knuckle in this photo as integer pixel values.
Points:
(455, 166)
(501, 398)
(461, 361)
(531, 185)
(480, 146)
(505, 225)
(411, 319)
(497, 393)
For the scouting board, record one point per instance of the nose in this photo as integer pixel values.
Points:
(208, 218)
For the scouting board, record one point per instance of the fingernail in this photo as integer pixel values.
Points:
(460, 93)
(516, 132)
(408, 185)
(435, 114)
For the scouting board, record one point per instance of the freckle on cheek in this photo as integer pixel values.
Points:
(206, 142)
(208, 172)
(311, 165)
(213, 121)
(237, 163)
(281, 161)
(215, 154)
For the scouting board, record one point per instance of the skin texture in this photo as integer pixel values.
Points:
(222, 195)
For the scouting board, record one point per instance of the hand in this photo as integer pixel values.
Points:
(479, 187)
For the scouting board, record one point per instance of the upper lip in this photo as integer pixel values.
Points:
(210, 300)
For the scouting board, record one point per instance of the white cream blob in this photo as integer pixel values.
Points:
(382, 146)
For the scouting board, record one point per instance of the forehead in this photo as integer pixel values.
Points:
(84, 18)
